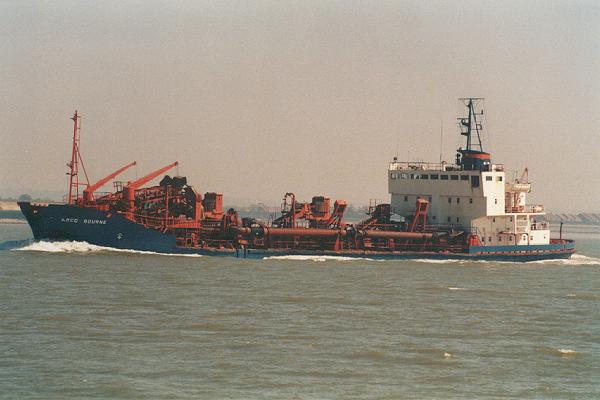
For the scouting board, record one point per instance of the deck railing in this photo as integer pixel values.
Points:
(429, 166)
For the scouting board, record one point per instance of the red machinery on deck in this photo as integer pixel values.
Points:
(174, 207)
(317, 213)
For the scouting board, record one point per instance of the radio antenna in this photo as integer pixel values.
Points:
(441, 138)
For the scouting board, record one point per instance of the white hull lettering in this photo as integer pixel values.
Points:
(95, 221)
(85, 221)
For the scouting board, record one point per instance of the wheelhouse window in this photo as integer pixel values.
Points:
(444, 177)
(424, 176)
(464, 177)
(434, 176)
(454, 177)
(488, 178)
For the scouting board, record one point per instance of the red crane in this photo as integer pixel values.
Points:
(335, 221)
(419, 221)
(129, 189)
(88, 193)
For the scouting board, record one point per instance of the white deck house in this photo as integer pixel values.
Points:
(482, 201)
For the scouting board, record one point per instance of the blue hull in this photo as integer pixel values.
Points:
(102, 228)
(63, 222)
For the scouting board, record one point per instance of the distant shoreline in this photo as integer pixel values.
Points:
(12, 221)
(9, 206)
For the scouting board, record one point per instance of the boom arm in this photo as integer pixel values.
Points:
(88, 193)
(142, 181)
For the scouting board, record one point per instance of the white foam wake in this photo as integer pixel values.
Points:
(440, 261)
(315, 258)
(85, 247)
(576, 259)
(403, 260)
(459, 261)
(567, 351)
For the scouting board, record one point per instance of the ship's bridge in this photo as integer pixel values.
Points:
(456, 196)
(480, 200)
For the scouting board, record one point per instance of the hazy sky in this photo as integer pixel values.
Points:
(259, 98)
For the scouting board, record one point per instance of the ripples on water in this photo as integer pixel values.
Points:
(80, 321)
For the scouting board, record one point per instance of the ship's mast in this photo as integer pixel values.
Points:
(472, 123)
(472, 157)
(75, 161)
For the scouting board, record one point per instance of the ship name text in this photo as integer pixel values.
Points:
(85, 221)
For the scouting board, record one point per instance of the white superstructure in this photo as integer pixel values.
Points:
(472, 194)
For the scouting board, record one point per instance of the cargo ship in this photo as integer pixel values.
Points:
(468, 209)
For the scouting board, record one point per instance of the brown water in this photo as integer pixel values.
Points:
(81, 322)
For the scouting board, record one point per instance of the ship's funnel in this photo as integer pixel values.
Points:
(472, 160)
